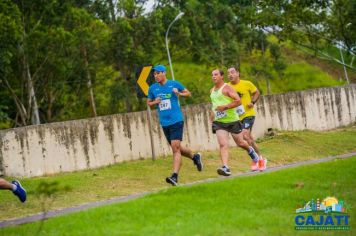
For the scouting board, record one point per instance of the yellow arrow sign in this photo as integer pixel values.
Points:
(142, 79)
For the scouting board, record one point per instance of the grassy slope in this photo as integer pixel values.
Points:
(257, 205)
(139, 176)
(300, 75)
(334, 69)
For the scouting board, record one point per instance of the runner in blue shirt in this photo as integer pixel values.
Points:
(164, 94)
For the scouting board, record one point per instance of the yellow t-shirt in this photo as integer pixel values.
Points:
(245, 89)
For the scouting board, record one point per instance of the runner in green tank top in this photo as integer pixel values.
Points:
(226, 120)
(219, 99)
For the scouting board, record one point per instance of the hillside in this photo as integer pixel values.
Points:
(335, 70)
(302, 71)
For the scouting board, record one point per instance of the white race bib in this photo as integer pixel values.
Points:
(220, 114)
(165, 105)
(240, 110)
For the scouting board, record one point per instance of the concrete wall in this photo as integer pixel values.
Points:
(81, 144)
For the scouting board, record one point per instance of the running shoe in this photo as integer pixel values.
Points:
(224, 171)
(20, 192)
(172, 181)
(197, 159)
(254, 166)
(262, 164)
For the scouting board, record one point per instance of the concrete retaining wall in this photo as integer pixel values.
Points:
(90, 143)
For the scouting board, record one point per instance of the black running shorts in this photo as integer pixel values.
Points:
(233, 127)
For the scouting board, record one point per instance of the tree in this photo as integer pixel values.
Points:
(89, 37)
(10, 26)
(133, 42)
(341, 23)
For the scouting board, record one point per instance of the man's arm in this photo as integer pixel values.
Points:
(180, 90)
(183, 93)
(151, 99)
(254, 97)
(151, 102)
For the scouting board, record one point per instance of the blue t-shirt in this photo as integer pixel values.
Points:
(168, 109)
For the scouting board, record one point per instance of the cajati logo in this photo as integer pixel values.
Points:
(328, 214)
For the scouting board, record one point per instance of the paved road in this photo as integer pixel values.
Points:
(68, 210)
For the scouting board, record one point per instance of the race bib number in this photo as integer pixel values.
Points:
(165, 105)
(240, 110)
(220, 114)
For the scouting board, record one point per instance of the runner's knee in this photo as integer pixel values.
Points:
(223, 145)
(175, 146)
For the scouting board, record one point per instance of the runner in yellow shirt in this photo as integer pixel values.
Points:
(249, 95)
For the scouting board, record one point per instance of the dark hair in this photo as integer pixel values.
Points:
(235, 67)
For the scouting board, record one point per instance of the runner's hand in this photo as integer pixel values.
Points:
(158, 100)
(175, 90)
(220, 108)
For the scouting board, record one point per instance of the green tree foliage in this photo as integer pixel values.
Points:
(134, 40)
(10, 34)
(342, 23)
(9, 38)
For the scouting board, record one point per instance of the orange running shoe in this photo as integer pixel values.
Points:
(262, 164)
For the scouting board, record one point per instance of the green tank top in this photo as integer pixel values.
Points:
(219, 99)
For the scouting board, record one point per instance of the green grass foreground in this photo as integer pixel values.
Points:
(257, 205)
(146, 175)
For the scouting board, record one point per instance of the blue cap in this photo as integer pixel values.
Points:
(159, 68)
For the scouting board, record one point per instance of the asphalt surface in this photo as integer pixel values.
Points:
(50, 214)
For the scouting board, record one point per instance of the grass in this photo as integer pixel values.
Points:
(301, 76)
(256, 205)
(334, 69)
(145, 175)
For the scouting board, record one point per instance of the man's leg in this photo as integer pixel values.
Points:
(176, 134)
(177, 162)
(248, 137)
(174, 141)
(247, 125)
(177, 158)
(223, 140)
(185, 151)
(15, 187)
(5, 185)
(241, 142)
(196, 158)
